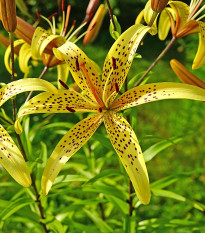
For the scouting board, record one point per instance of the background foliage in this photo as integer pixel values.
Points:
(91, 193)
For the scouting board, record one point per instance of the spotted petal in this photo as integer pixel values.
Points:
(68, 145)
(127, 147)
(158, 91)
(63, 72)
(41, 39)
(23, 85)
(12, 159)
(199, 59)
(122, 53)
(74, 56)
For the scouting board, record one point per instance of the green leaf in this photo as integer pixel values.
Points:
(106, 173)
(101, 225)
(152, 151)
(119, 203)
(103, 140)
(169, 194)
(14, 206)
(70, 178)
(134, 80)
(115, 32)
(54, 225)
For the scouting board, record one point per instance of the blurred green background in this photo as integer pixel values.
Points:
(155, 121)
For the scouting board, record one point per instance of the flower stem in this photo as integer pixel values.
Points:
(111, 14)
(156, 61)
(40, 77)
(131, 208)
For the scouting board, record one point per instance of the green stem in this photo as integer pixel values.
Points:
(111, 14)
(156, 61)
(4, 119)
(131, 208)
(40, 77)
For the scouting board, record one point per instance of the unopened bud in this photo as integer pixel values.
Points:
(185, 75)
(158, 5)
(115, 30)
(24, 30)
(8, 14)
(95, 25)
(92, 6)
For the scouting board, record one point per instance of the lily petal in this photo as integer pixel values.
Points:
(74, 56)
(199, 59)
(63, 72)
(23, 85)
(122, 52)
(59, 102)
(127, 147)
(24, 57)
(158, 91)
(12, 159)
(41, 39)
(68, 145)
(164, 23)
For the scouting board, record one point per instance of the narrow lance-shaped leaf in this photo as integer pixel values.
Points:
(158, 91)
(68, 145)
(12, 159)
(23, 85)
(127, 147)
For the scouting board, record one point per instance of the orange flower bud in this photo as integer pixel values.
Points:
(8, 14)
(94, 26)
(24, 30)
(185, 75)
(92, 6)
(158, 5)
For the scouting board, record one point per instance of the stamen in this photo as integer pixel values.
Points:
(51, 16)
(63, 84)
(90, 84)
(63, 5)
(70, 109)
(48, 21)
(77, 64)
(191, 16)
(116, 88)
(100, 109)
(71, 29)
(66, 20)
(114, 63)
(38, 15)
(77, 30)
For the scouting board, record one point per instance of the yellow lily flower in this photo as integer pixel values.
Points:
(99, 97)
(10, 156)
(185, 75)
(186, 24)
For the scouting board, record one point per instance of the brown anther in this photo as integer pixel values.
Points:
(116, 88)
(38, 15)
(70, 109)
(89, 18)
(114, 63)
(74, 23)
(63, 5)
(77, 64)
(63, 84)
(100, 109)
(51, 16)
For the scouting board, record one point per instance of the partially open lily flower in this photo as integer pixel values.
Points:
(183, 21)
(99, 97)
(185, 75)
(10, 156)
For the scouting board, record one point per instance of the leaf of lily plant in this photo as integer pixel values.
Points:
(12, 159)
(68, 145)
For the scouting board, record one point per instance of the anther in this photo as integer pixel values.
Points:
(77, 64)
(116, 88)
(63, 84)
(63, 5)
(114, 63)
(38, 15)
(100, 109)
(70, 109)
(51, 16)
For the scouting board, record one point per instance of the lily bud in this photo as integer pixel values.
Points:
(8, 14)
(95, 25)
(185, 75)
(24, 30)
(92, 6)
(158, 5)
